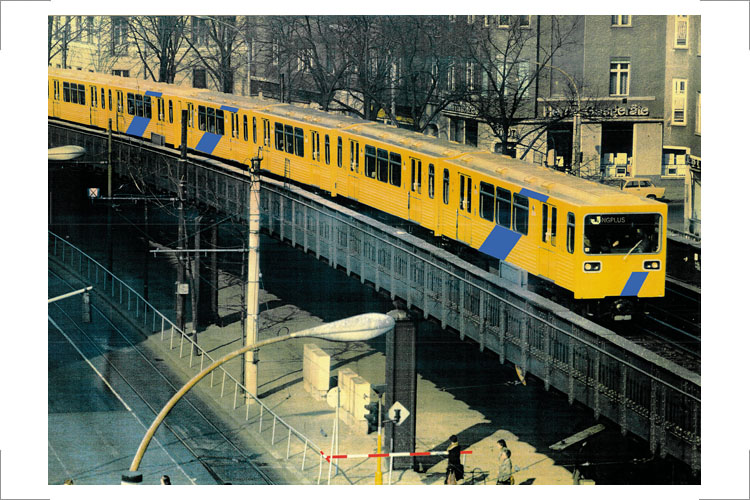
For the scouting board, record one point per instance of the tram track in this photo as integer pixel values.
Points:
(225, 468)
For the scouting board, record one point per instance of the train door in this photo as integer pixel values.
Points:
(315, 164)
(120, 122)
(463, 216)
(93, 105)
(415, 191)
(548, 245)
(353, 169)
(266, 141)
(55, 98)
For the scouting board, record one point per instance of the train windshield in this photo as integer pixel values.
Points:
(621, 233)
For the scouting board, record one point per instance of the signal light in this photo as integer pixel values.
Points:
(372, 417)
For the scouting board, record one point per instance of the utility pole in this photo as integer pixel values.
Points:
(180, 285)
(253, 272)
(109, 195)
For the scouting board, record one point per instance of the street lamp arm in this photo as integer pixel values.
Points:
(357, 328)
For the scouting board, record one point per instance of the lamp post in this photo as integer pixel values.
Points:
(354, 329)
(244, 39)
(576, 163)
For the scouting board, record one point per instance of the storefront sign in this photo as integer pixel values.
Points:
(592, 111)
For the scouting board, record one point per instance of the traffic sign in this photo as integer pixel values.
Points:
(397, 409)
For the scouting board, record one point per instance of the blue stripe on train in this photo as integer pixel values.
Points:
(229, 108)
(634, 284)
(500, 242)
(138, 126)
(153, 94)
(208, 143)
(533, 194)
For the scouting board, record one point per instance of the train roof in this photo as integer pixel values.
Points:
(538, 178)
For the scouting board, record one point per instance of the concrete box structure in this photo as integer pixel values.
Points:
(316, 371)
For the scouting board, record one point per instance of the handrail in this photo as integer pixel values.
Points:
(52, 237)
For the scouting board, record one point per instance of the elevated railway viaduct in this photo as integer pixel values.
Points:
(641, 392)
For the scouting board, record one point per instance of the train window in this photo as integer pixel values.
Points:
(266, 132)
(571, 236)
(502, 207)
(446, 186)
(104, 102)
(66, 92)
(147, 107)
(339, 151)
(57, 90)
(211, 120)
(394, 170)
(289, 138)
(131, 104)
(109, 94)
(431, 181)
(621, 233)
(139, 105)
(201, 118)
(328, 150)
(244, 127)
(93, 97)
(370, 161)
(119, 101)
(255, 131)
(416, 175)
(190, 112)
(553, 227)
(220, 122)
(235, 124)
(279, 134)
(81, 94)
(171, 113)
(487, 201)
(464, 193)
(521, 214)
(382, 165)
(299, 142)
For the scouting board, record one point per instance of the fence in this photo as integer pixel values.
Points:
(153, 321)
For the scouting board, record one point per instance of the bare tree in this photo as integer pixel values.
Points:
(158, 41)
(508, 64)
(212, 41)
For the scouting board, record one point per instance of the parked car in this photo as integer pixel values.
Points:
(643, 187)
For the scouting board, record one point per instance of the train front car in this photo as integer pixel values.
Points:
(623, 254)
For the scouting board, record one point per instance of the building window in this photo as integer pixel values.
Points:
(679, 98)
(470, 19)
(199, 78)
(524, 21)
(621, 21)
(89, 29)
(199, 31)
(503, 21)
(469, 76)
(619, 73)
(119, 33)
(698, 115)
(275, 52)
(681, 29)
(121, 72)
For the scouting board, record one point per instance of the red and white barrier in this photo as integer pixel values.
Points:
(396, 454)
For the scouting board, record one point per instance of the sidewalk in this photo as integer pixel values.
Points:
(439, 413)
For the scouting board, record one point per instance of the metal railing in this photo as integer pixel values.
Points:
(130, 301)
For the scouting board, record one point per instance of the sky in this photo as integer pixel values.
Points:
(23, 382)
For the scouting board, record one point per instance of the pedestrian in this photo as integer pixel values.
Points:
(455, 471)
(505, 472)
(165, 480)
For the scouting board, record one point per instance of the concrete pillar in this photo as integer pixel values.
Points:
(401, 386)
(591, 148)
(647, 149)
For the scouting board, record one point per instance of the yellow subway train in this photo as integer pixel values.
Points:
(588, 238)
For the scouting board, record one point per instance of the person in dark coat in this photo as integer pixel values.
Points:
(455, 471)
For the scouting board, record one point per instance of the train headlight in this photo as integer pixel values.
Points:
(652, 265)
(592, 267)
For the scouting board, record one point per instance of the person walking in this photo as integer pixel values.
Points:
(505, 472)
(165, 480)
(455, 471)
